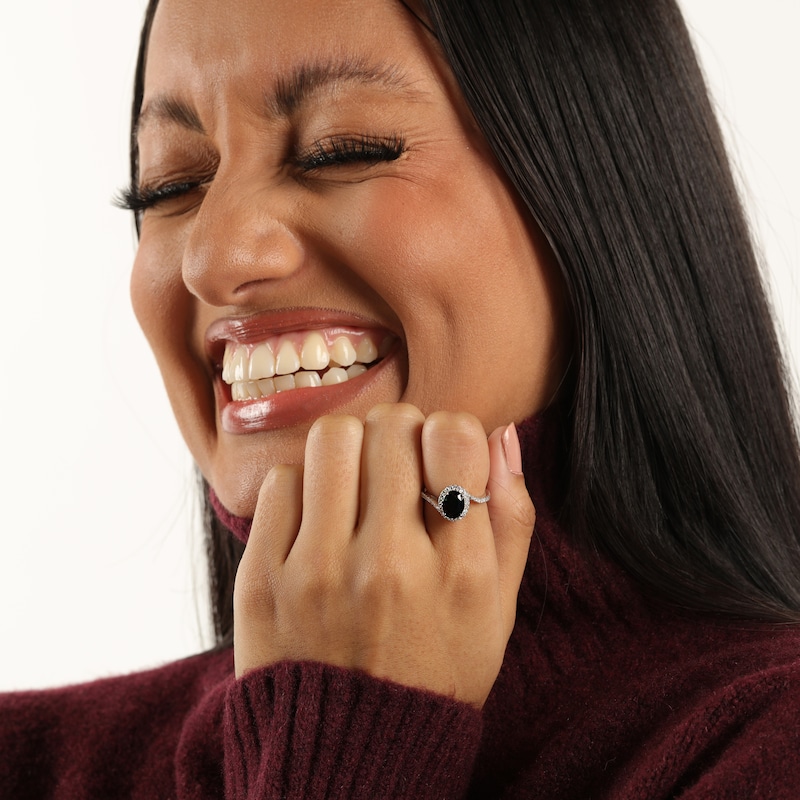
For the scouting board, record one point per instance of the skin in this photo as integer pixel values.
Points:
(343, 564)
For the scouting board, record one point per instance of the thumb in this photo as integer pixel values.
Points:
(512, 515)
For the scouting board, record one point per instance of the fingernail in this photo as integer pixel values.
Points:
(511, 449)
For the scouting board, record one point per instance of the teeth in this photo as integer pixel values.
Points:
(275, 366)
(307, 380)
(239, 364)
(287, 360)
(355, 371)
(283, 383)
(262, 363)
(343, 352)
(334, 375)
(315, 353)
(366, 352)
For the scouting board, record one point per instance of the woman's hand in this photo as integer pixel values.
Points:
(347, 565)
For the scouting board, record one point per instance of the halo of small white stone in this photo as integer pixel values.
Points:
(465, 496)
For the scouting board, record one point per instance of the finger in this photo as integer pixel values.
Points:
(512, 515)
(391, 468)
(331, 479)
(275, 526)
(454, 452)
(277, 517)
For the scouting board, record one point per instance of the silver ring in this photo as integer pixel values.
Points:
(453, 501)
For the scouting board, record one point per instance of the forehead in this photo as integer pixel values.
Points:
(206, 45)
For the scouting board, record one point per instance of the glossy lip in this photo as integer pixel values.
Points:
(296, 406)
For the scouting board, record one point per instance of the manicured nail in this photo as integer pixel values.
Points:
(511, 449)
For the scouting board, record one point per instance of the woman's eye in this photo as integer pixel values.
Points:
(338, 151)
(141, 198)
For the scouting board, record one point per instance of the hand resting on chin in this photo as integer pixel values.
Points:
(346, 565)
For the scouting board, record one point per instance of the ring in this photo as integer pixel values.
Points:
(453, 501)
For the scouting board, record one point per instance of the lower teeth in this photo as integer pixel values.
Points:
(253, 390)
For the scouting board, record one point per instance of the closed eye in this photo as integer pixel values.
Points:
(338, 151)
(140, 198)
(169, 199)
(335, 151)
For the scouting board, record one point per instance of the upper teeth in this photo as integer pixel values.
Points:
(274, 365)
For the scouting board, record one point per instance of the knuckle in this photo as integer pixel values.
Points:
(470, 577)
(383, 577)
(278, 477)
(458, 437)
(333, 438)
(518, 509)
(455, 423)
(368, 585)
(401, 414)
(335, 426)
(523, 513)
(318, 579)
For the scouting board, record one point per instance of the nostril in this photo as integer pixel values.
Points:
(247, 287)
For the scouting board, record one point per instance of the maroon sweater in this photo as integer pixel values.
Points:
(602, 695)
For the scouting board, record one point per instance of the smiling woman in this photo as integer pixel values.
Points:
(422, 285)
(278, 199)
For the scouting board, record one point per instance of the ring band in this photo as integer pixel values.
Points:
(453, 501)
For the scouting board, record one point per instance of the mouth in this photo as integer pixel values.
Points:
(271, 379)
(302, 360)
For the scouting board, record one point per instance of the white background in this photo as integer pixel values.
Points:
(98, 540)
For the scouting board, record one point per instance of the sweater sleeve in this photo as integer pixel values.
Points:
(308, 730)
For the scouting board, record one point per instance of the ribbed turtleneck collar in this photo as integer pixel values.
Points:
(238, 526)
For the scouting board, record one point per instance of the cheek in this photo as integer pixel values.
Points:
(407, 239)
(165, 310)
(453, 250)
(159, 297)
(462, 264)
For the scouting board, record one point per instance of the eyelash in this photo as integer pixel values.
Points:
(342, 150)
(333, 152)
(139, 198)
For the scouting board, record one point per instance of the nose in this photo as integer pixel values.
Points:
(240, 244)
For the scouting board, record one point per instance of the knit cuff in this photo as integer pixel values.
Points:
(306, 730)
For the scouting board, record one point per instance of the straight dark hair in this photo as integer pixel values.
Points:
(680, 442)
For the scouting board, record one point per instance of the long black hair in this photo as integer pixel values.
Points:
(681, 447)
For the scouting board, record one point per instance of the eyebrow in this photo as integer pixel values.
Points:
(169, 109)
(291, 92)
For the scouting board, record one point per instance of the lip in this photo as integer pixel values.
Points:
(297, 406)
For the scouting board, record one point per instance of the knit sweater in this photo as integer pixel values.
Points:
(602, 694)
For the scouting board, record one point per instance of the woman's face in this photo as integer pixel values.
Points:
(318, 195)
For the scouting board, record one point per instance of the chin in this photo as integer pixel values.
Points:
(256, 433)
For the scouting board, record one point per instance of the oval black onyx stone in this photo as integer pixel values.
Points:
(453, 504)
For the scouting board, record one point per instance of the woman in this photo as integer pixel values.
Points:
(373, 238)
